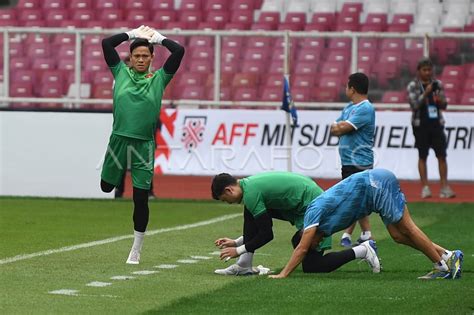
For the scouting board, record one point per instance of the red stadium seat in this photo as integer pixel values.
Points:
(274, 80)
(30, 15)
(245, 94)
(275, 67)
(80, 4)
(348, 21)
(242, 16)
(16, 49)
(296, 19)
(161, 5)
(260, 42)
(54, 17)
(444, 48)
(128, 25)
(166, 16)
(328, 94)
(21, 89)
(469, 85)
(367, 56)
(218, 17)
(208, 26)
(393, 44)
(224, 94)
(412, 54)
(191, 18)
(67, 64)
(97, 24)
(225, 79)
(263, 27)
(216, 5)
(249, 80)
(400, 23)
(394, 97)
(191, 79)
(335, 82)
(201, 41)
(54, 4)
(232, 66)
(309, 55)
(272, 94)
(206, 53)
(455, 72)
(254, 66)
(343, 56)
(306, 67)
(343, 44)
(232, 42)
(38, 51)
(370, 44)
(70, 24)
(138, 16)
(107, 4)
(83, 15)
(44, 64)
(322, 21)
(333, 68)
(103, 90)
(99, 77)
(300, 94)
(191, 5)
(231, 54)
(302, 81)
(259, 54)
(349, 8)
(94, 65)
(93, 51)
(272, 19)
(137, 5)
(29, 4)
(375, 22)
(314, 43)
(243, 5)
(467, 98)
(20, 76)
(111, 14)
(191, 93)
(201, 66)
(52, 90)
(34, 23)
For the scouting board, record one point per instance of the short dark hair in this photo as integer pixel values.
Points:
(360, 82)
(220, 182)
(424, 62)
(141, 42)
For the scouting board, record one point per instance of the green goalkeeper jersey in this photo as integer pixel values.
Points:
(137, 101)
(285, 194)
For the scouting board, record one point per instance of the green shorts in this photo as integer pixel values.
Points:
(128, 153)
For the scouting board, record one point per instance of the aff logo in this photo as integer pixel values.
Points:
(193, 131)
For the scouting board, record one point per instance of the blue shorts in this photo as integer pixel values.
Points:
(389, 200)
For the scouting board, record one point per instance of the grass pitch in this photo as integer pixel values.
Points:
(37, 225)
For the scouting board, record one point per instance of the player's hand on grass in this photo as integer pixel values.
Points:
(225, 242)
(229, 252)
(141, 32)
(278, 276)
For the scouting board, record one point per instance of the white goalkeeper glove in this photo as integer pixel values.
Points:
(141, 32)
(156, 38)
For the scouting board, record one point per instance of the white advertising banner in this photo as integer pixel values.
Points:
(245, 142)
(60, 154)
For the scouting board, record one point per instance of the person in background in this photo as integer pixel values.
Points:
(355, 129)
(427, 100)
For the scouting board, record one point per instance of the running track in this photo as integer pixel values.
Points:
(198, 187)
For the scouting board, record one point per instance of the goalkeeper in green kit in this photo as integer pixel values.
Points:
(137, 98)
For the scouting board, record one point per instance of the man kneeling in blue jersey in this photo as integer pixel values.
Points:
(357, 196)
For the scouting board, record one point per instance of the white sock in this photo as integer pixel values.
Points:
(245, 260)
(138, 240)
(366, 235)
(346, 235)
(441, 265)
(360, 251)
(447, 254)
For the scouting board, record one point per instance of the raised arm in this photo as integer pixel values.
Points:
(111, 56)
(174, 60)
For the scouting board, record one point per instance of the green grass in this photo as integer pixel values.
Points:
(30, 225)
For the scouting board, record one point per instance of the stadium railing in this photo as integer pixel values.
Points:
(286, 36)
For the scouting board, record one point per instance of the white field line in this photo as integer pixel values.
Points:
(116, 239)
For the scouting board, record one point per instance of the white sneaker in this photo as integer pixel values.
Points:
(371, 256)
(133, 257)
(236, 270)
(447, 192)
(262, 271)
(426, 192)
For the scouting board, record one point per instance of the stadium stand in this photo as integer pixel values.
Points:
(389, 62)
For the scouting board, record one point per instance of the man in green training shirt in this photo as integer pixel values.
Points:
(137, 98)
(279, 195)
